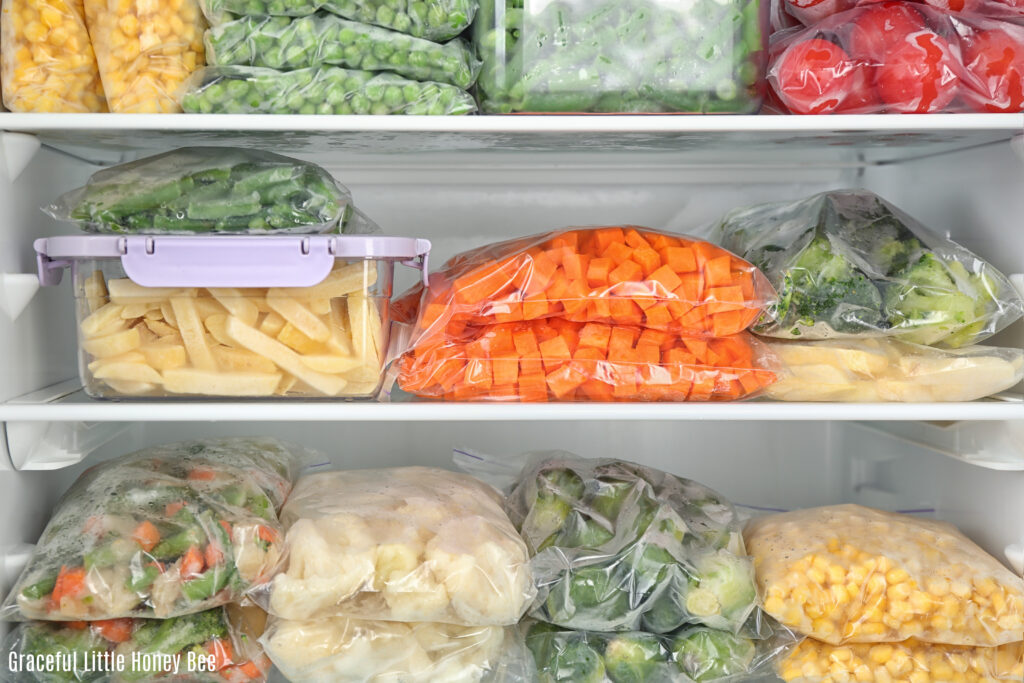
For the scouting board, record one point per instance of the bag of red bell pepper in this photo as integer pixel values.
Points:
(898, 57)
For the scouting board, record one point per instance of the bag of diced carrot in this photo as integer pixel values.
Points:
(617, 275)
(560, 360)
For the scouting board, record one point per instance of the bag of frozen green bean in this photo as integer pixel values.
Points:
(321, 38)
(198, 190)
(322, 90)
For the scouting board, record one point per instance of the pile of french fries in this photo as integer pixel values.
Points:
(321, 341)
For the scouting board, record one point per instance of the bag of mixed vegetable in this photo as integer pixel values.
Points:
(163, 532)
(848, 264)
(218, 645)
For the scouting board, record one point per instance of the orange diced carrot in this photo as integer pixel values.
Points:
(478, 373)
(656, 337)
(703, 385)
(531, 366)
(625, 312)
(535, 306)
(636, 240)
(146, 535)
(597, 272)
(679, 259)
(542, 270)
(667, 277)
(554, 352)
(114, 630)
(482, 283)
(658, 316)
(605, 236)
(717, 272)
(576, 298)
(432, 314)
(558, 288)
(698, 347)
(525, 342)
(569, 239)
(191, 563)
(564, 381)
(172, 509)
(595, 335)
(627, 271)
(648, 259)
(533, 387)
(691, 290)
(728, 298)
(601, 308)
(575, 265)
(618, 253)
(750, 382)
(597, 390)
(221, 651)
(730, 322)
(505, 369)
(659, 241)
(508, 313)
(621, 338)
(648, 353)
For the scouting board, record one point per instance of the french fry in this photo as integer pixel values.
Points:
(137, 310)
(128, 388)
(112, 344)
(130, 357)
(95, 288)
(362, 374)
(160, 328)
(341, 337)
(207, 306)
(192, 333)
(272, 324)
(241, 360)
(128, 372)
(287, 382)
(361, 388)
(217, 326)
(283, 357)
(236, 303)
(154, 314)
(168, 313)
(320, 307)
(331, 364)
(354, 277)
(359, 321)
(376, 328)
(146, 335)
(192, 381)
(165, 356)
(300, 317)
(293, 338)
(124, 291)
(103, 321)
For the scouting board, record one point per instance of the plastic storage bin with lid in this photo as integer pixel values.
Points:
(704, 56)
(231, 316)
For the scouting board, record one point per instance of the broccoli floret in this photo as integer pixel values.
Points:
(171, 636)
(928, 303)
(705, 654)
(42, 639)
(724, 593)
(892, 255)
(667, 612)
(595, 597)
(632, 657)
(571, 658)
(822, 286)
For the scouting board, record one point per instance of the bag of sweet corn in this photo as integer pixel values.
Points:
(145, 50)
(46, 60)
(851, 574)
(816, 662)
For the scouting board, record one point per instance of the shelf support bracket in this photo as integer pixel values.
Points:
(16, 291)
(17, 150)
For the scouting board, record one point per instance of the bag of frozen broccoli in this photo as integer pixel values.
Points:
(621, 547)
(161, 532)
(848, 263)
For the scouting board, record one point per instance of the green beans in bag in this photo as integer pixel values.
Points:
(324, 90)
(431, 19)
(209, 190)
(321, 38)
(705, 56)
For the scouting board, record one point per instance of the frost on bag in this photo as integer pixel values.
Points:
(161, 532)
(879, 369)
(911, 660)
(400, 544)
(46, 60)
(553, 359)
(694, 653)
(145, 49)
(321, 90)
(850, 574)
(622, 547)
(614, 275)
(343, 650)
(435, 20)
(209, 190)
(849, 264)
(898, 57)
(302, 42)
(218, 645)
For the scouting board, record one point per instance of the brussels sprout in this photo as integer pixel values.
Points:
(632, 657)
(725, 592)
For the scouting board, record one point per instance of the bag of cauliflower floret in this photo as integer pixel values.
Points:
(401, 544)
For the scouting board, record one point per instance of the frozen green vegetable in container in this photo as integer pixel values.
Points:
(849, 264)
(705, 56)
(321, 38)
(622, 547)
(323, 90)
(209, 190)
(435, 20)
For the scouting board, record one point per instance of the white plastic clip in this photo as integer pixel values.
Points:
(16, 290)
(1015, 554)
(17, 150)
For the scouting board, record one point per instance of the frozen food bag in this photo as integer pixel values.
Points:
(162, 532)
(209, 190)
(46, 60)
(621, 547)
(435, 20)
(319, 90)
(552, 359)
(881, 369)
(849, 264)
(809, 12)
(318, 39)
(911, 660)
(693, 654)
(218, 645)
(400, 544)
(851, 574)
(899, 58)
(145, 50)
(615, 275)
(618, 56)
(343, 650)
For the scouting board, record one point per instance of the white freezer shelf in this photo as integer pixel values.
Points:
(66, 402)
(724, 140)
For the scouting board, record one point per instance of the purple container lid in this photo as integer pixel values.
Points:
(226, 261)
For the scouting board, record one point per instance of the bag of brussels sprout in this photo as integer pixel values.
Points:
(620, 547)
(695, 653)
(211, 190)
(320, 90)
(435, 20)
(849, 264)
(318, 39)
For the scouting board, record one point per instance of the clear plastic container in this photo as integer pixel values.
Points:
(239, 316)
(705, 56)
